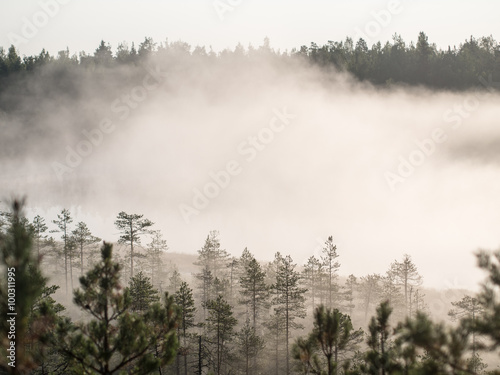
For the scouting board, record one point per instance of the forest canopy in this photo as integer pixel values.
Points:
(471, 64)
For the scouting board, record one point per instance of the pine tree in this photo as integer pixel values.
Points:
(369, 289)
(174, 280)
(312, 275)
(39, 228)
(213, 262)
(187, 310)
(19, 296)
(249, 346)
(233, 266)
(63, 222)
(335, 335)
(245, 258)
(212, 257)
(275, 324)
(445, 348)
(351, 285)
(289, 299)
(142, 293)
(406, 275)
(43, 318)
(488, 322)
(116, 339)
(220, 332)
(380, 358)
(331, 267)
(254, 290)
(420, 305)
(390, 291)
(154, 253)
(131, 227)
(305, 350)
(82, 237)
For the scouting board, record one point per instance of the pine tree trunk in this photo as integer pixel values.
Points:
(277, 345)
(81, 259)
(66, 266)
(71, 269)
(131, 251)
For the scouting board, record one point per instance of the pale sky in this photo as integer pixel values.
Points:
(80, 25)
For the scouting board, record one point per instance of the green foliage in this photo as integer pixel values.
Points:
(254, 290)
(313, 275)
(249, 346)
(488, 324)
(185, 301)
(20, 270)
(333, 337)
(63, 222)
(304, 351)
(446, 348)
(220, 325)
(331, 267)
(39, 228)
(405, 275)
(116, 339)
(380, 357)
(383, 64)
(82, 238)
(131, 227)
(288, 299)
(142, 293)
(154, 253)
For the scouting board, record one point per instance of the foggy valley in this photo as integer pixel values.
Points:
(172, 206)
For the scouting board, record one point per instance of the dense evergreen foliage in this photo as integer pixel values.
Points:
(240, 317)
(473, 63)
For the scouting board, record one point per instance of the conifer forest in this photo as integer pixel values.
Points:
(234, 200)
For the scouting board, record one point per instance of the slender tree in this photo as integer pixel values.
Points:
(391, 291)
(39, 228)
(213, 263)
(351, 285)
(174, 280)
(369, 289)
(212, 257)
(469, 308)
(185, 302)
(334, 334)
(288, 299)
(82, 237)
(405, 274)
(63, 221)
(380, 357)
(220, 332)
(154, 253)
(312, 275)
(254, 290)
(331, 267)
(131, 227)
(249, 346)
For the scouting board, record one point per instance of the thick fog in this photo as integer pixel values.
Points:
(305, 154)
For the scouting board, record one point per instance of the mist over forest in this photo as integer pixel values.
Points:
(322, 210)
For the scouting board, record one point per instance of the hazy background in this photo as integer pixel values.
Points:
(80, 25)
(323, 175)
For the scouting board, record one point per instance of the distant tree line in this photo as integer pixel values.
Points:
(382, 64)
